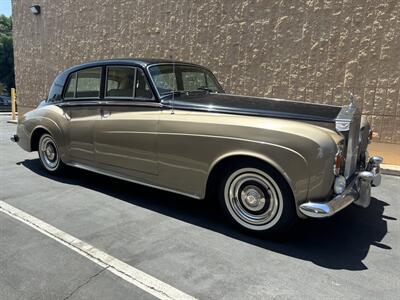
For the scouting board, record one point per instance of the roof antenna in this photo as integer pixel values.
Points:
(173, 85)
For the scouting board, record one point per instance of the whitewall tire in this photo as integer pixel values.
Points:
(257, 199)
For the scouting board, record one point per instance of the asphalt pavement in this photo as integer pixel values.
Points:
(183, 242)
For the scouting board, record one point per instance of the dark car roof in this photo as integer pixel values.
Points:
(59, 81)
(143, 62)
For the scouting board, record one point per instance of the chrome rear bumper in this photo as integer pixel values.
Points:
(357, 192)
(15, 138)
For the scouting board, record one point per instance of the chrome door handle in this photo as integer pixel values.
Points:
(105, 113)
(66, 116)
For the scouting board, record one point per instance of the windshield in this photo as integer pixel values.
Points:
(175, 78)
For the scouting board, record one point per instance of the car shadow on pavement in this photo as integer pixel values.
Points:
(340, 242)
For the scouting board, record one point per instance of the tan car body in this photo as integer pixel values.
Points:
(178, 150)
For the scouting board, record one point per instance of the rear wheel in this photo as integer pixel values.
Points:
(49, 155)
(257, 199)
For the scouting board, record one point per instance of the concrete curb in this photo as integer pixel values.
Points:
(6, 113)
(390, 169)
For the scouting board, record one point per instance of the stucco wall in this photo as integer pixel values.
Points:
(315, 51)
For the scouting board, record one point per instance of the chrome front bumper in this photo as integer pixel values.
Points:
(357, 192)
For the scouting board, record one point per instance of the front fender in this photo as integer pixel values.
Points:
(289, 163)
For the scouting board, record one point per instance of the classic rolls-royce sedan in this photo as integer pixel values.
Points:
(170, 125)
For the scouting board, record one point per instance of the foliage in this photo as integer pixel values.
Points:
(7, 77)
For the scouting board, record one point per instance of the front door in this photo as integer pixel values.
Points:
(126, 134)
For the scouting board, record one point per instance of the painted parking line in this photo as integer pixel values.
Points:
(132, 275)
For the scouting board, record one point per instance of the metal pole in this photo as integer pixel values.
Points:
(13, 104)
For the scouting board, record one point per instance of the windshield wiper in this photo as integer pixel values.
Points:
(204, 88)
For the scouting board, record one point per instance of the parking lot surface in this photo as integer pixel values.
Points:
(183, 242)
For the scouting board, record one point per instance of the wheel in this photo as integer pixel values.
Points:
(48, 154)
(257, 199)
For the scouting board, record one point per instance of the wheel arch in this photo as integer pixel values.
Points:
(35, 137)
(222, 162)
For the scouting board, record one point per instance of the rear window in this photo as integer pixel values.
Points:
(84, 84)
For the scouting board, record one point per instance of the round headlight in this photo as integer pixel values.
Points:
(340, 184)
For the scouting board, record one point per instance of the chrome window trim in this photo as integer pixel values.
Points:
(150, 103)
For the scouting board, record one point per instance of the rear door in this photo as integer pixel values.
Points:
(82, 109)
(126, 134)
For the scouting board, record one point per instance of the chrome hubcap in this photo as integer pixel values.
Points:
(48, 153)
(253, 198)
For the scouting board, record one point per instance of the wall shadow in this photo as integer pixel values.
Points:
(340, 242)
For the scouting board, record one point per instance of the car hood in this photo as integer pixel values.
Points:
(255, 106)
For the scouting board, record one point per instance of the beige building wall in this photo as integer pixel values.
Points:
(314, 51)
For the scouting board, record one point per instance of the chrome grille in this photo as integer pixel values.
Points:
(352, 147)
(348, 123)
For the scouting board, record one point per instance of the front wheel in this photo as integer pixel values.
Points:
(49, 155)
(257, 199)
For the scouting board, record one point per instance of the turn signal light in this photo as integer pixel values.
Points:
(339, 160)
(370, 135)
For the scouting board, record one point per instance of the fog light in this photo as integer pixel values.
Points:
(340, 184)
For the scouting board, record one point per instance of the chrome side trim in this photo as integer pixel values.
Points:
(95, 170)
(127, 102)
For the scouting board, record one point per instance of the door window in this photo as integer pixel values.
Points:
(120, 82)
(70, 91)
(127, 83)
(142, 88)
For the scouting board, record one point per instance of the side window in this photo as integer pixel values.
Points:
(211, 83)
(142, 88)
(120, 82)
(193, 80)
(70, 91)
(88, 83)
